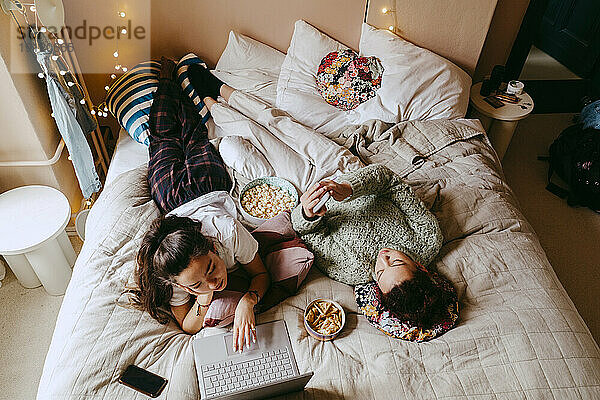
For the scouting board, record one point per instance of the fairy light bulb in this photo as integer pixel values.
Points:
(384, 10)
(124, 31)
(63, 72)
(60, 41)
(87, 203)
(122, 14)
(118, 67)
(105, 108)
(391, 27)
(116, 54)
(52, 115)
(106, 87)
(93, 112)
(124, 69)
(71, 84)
(41, 75)
(43, 29)
(113, 76)
(32, 8)
(105, 115)
(69, 158)
(82, 101)
(54, 58)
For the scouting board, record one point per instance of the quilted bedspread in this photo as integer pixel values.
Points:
(518, 336)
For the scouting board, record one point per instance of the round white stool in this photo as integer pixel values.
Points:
(33, 239)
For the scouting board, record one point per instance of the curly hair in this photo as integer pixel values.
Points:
(417, 300)
(167, 249)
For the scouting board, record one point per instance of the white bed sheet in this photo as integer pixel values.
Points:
(128, 155)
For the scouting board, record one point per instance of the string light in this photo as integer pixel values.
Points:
(124, 69)
(54, 58)
(116, 54)
(93, 112)
(391, 27)
(41, 75)
(113, 76)
(33, 9)
(82, 101)
(71, 84)
(124, 31)
(384, 10)
(105, 108)
(43, 29)
(122, 14)
(63, 72)
(107, 88)
(60, 41)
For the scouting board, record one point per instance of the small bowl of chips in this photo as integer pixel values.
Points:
(324, 319)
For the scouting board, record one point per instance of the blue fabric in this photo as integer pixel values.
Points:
(130, 99)
(186, 85)
(590, 115)
(72, 118)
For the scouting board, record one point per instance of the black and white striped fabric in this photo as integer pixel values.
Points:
(186, 86)
(130, 98)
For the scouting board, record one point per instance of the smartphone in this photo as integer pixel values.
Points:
(143, 381)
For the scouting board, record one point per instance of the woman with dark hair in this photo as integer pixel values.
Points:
(185, 256)
(374, 228)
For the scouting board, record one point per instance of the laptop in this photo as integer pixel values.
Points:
(268, 368)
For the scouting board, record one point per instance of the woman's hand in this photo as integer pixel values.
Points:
(311, 198)
(244, 324)
(339, 191)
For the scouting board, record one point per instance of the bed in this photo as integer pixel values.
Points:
(518, 335)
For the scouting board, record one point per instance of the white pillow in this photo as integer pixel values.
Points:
(241, 155)
(251, 66)
(417, 84)
(297, 90)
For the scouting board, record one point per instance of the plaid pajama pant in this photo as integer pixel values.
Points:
(183, 164)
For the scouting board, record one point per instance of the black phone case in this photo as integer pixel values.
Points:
(140, 389)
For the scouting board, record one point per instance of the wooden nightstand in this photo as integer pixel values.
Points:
(499, 123)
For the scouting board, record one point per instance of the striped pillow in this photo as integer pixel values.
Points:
(186, 86)
(130, 98)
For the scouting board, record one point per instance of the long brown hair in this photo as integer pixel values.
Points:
(167, 249)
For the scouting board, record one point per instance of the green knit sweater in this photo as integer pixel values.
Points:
(382, 212)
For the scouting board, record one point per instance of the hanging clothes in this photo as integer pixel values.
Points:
(74, 121)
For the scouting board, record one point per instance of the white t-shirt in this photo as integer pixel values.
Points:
(218, 215)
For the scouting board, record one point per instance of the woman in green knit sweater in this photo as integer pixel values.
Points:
(374, 228)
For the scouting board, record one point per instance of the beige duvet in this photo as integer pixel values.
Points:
(518, 335)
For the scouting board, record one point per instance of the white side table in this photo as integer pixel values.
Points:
(33, 239)
(499, 123)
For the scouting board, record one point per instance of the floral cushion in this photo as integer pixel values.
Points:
(346, 80)
(369, 302)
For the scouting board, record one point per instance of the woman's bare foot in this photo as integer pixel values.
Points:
(226, 92)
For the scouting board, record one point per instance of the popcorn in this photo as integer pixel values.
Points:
(266, 201)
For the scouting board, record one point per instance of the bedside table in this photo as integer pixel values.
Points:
(499, 123)
(33, 238)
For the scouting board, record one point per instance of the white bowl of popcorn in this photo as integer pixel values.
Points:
(264, 198)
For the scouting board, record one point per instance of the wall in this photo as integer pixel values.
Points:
(501, 36)
(28, 131)
(454, 29)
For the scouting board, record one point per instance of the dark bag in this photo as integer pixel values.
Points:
(575, 158)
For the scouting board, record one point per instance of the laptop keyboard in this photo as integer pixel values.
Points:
(226, 377)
